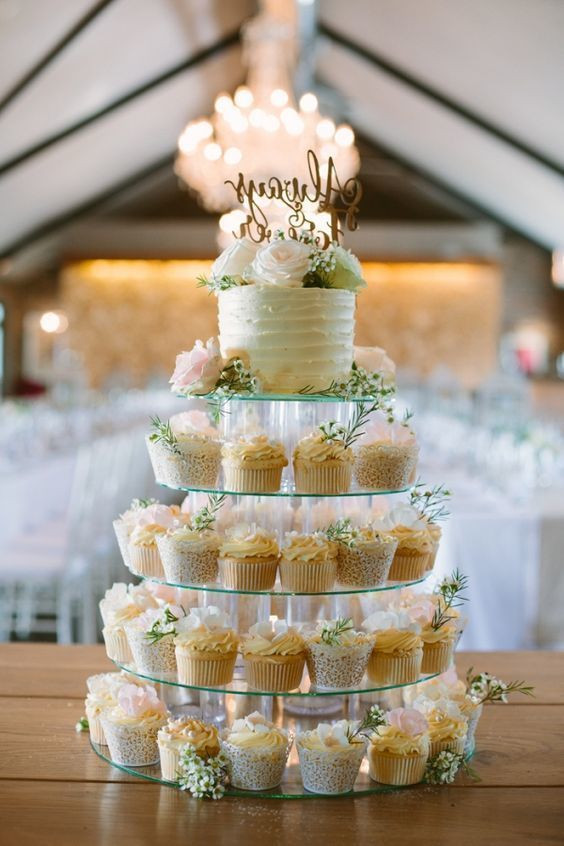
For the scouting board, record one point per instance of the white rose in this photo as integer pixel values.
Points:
(348, 271)
(234, 259)
(376, 360)
(283, 262)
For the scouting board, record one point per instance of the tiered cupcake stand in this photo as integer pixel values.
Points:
(285, 418)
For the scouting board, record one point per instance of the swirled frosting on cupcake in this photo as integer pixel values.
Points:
(410, 530)
(255, 731)
(393, 632)
(184, 534)
(248, 448)
(370, 538)
(123, 602)
(406, 733)
(243, 541)
(202, 737)
(272, 638)
(444, 633)
(138, 706)
(206, 630)
(313, 548)
(445, 719)
(331, 737)
(193, 425)
(349, 637)
(316, 448)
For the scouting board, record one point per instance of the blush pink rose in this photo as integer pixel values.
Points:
(408, 720)
(157, 515)
(137, 701)
(422, 611)
(197, 371)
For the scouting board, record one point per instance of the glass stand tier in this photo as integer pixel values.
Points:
(287, 489)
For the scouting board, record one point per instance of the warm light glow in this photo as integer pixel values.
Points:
(256, 118)
(271, 123)
(243, 97)
(54, 322)
(212, 152)
(344, 136)
(232, 155)
(308, 102)
(325, 129)
(222, 103)
(279, 97)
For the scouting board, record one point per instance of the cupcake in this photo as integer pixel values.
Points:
(447, 725)
(131, 727)
(185, 452)
(102, 694)
(125, 524)
(171, 739)
(206, 648)
(151, 639)
(435, 532)
(253, 464)
(438, 647)
(322, 465)
(386, 455)
(398, 650)
(273, 656)
(121, 604)
(257, 752)
(143, 552)
(248, 558)
(189, 556)
(415, 546)
(398, 752)
(330, 757)
(308, 563)
(366, 559)
(337, 655)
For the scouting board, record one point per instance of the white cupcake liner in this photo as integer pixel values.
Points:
(473, 721)
(253, 574)
(204, 669)
(363, 568)
(145, 561)
(455, 744)
(337, 667)
(184, 565)
(132, 745)
(327, 477)
(274, 672)
(151, 658)
(117, 644)
(385, 467)
(387, 668)
(122, 533)
(307, 576)
(251, 479)
(256, 768)
(437, 657)
(170, 759)
(195, 467)
(330, 771)
(397, 770)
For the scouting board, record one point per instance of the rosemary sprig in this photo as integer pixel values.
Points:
(332, 634)
(234, 379)
(157, 630)
(342, 532)
(450, 591)
(484, 687)
(333, 431)
(430, 501)
(360, 384)
(373, 719)
(164, 435)
(216, 284)
(205, 517)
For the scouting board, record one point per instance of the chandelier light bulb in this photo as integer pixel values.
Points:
(232, 156)
(279, 97)
(344, 136)
(212, 152)
(308, 103)
(325, 129)
(243, 97)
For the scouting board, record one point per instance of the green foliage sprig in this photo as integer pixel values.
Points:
(450, 592)
(214, 284)
(342, 532)
(205, 517)
(373, 719)
(234, 379)
(430, 501)
(164, 435)
(203, 778)
(347, 435)
(332, 634)
(483, 687)
(360, 384)
(163, 627)
(82, 725)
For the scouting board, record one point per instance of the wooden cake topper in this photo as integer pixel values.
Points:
(339, 201)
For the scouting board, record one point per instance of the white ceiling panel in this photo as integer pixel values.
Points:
(503, 60)
(128, 44)
(107, 152)
(475, 164)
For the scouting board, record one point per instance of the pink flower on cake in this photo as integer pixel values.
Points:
(234, 260)
(408, 720)
(375, 360)
(198, 370)
(284, 262)
(157, 515)
(422, 610)
(137, 701)
(192, 422)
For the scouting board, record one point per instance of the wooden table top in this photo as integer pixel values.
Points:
(55, 790)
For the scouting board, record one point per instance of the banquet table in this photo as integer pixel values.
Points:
(55, 790)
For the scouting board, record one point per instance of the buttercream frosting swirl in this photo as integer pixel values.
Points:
(443, 633)
(249, 448)
(317, 449)
(202, 737)
(272, 638)
(206, 630)
(244, 541)
(314, 547)
(255, 731)
(332, 738)
(146, 535)
(397, 742)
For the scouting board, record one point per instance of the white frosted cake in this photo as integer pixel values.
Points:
(293, 337)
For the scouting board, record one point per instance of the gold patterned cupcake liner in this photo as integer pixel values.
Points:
(437, 657)
(399, 770)
(251, 479)
(408, 565)
(389, 668)
(308, 576)
(274, 672)
(454, 744)
(361, 568)
(204, 669)
(117, 645)
(256, 768)
(146, 561)
(322, 478)
(253, 574)
(330, 772)
(132, 745)
(183, 565)
(197, 467)
(385, 467)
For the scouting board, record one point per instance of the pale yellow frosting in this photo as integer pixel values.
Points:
(314, 548)
(332, 739)
(288, 643)
(255, 448)
(369, 539)
(316, 449)
(417, 539)
(256, 543)
(394, 740)
(254, 732)
(396, 641)
(208, 640)
(430, 635)
(185, 534)
(443, 727)
(145, 535)
(202, 737)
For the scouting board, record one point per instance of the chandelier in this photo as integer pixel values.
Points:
(262, 130)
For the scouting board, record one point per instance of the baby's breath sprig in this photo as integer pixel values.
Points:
(164, 435)
(333, 431)
(163, 627)
(450, 592)
(82, 725)
(484, 687)
(443, 767)
(205, 517)
(430, 501)
(332, 634)
(203, 778)
(360, 385)
(138, 504)
(321, 267)
(373, 719)
(342, 531)
(214, 284)
(234, 379)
